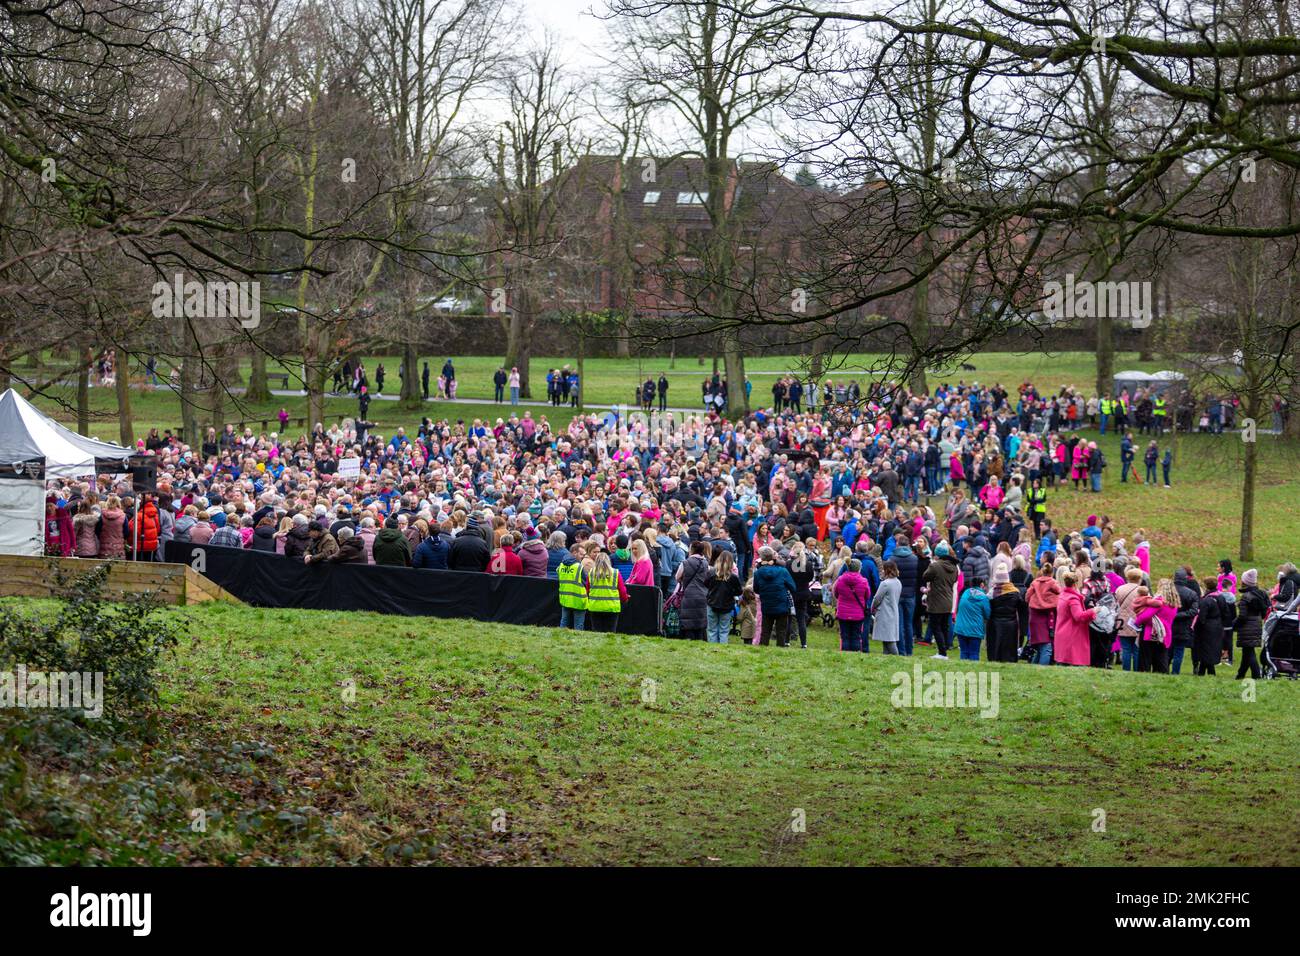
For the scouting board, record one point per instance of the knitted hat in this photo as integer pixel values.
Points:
(1250, 578)
(941, 549)
(1001, 575)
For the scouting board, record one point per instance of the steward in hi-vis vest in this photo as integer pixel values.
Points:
(573, 593)
(602, 595)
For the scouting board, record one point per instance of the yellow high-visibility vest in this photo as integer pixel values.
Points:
(602, 596)
(572, 593)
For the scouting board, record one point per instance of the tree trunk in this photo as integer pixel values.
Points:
(1246, 549)
(313, 366)
(411, 395)
(189, 411)
(122, 362)
(519, 349)
(582, 373)
(920, 328)
(1105, 354)
(314, 386)
(83, 393)
(1291, 420)
(258, 390)
(737, 401)
(217, 403)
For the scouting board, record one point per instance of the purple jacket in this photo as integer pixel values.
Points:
(534, 557)
(852, 595)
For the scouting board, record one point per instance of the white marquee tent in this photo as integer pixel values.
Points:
(1153, 381)
(34, 448)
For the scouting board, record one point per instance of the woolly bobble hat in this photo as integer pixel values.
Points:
(941, 549)
(1250, 578)
(1001, 575)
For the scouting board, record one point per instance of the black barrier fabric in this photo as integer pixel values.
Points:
(271, 580)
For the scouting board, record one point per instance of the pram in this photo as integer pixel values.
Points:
(1280, 656)
(817, 608)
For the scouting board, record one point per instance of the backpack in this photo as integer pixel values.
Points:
(1107, 611)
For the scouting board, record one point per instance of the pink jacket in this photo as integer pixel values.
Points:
(643, 572)
(852, 592)
(1151, 608)
(1072, 619)
(112, 533)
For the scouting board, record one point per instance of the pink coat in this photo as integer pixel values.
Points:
(643, 572)
(1166, 612)
(1072, 619)
(852, 593)
(1143, 554)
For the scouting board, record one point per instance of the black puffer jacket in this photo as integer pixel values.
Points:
(296, 542)
(1252, 607)
(470, 551)
(905, 558)
(263, 539)
(1188, 597)
(975, 565)
(694, 578)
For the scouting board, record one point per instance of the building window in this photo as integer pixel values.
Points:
(651, 198)
(692, 199)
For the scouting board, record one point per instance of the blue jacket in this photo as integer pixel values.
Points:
(432, 553)
(554, 558)
(871, 573)
(774, 588)
(972, 613)
(671, 557)
(622, 562)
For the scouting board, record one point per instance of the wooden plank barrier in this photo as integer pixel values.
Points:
(33, 576)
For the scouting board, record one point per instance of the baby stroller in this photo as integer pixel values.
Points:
(1280, 655)
(816, 608)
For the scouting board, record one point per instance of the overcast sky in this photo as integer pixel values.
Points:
(574, 23)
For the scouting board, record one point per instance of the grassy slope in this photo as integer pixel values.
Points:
(1198, 520)
(454, 719)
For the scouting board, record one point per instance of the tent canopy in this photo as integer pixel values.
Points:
(28, 435)
(1153, 380)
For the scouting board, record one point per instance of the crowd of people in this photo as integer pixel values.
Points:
(751, 528)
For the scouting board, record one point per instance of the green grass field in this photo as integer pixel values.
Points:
(609, 749)
(609, 381)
